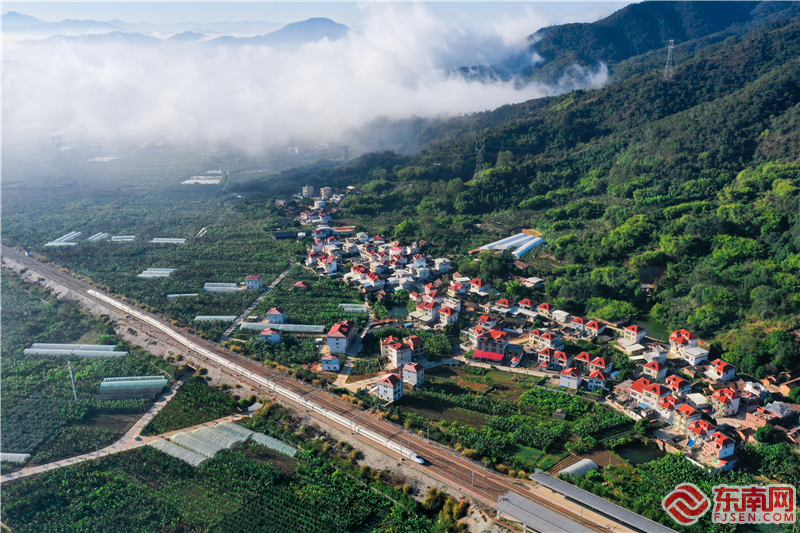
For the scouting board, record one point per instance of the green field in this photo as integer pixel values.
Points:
(195, 402)
(39, 413)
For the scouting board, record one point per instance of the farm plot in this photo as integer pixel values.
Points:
(194, 403)
(316, 306)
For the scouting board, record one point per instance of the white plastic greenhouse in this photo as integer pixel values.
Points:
(221, 437)
(174, 450)
(197, 444)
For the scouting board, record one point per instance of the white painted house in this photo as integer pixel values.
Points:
(340, 335)
(570, 378)
(330, 362)
(276, 315)
(270, 335)
(389, 388)
(253, 282)
(414, 373)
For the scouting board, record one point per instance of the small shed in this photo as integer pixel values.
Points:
(560, 414)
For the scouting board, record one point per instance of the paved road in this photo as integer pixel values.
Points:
(243, 316)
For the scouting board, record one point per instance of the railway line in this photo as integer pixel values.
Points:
(457, 469)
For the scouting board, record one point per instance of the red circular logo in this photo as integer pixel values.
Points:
(686, 504)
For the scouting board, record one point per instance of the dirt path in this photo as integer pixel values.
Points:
(253, 305)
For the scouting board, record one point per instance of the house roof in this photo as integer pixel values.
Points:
(390, 379)
(547, 351)
(634, 328)
(655, 388)
(682, 336)
(721, 366)
(667, 402)
(253, 278)
(330, 357)
(545, 307)
(701, 427)
(277, 311)
(640, 384)
(270, 331)
(719, 438)
(447, 310)
(592, 325)
(304, 285)
(342, 329)
(560, 355)
(497, 335)
(414, 367)
(655, 365)
(725, 395)
(492, 356)
(584, 357)
(598, 375)
(676, 382)
(574, 372)
(391, 339)
(578, 320)
(505, 302)
(525, 302)
(477, 282)
(414, 341)
(599, 361)
(687, 410)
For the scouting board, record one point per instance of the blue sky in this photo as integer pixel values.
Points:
(348, 13)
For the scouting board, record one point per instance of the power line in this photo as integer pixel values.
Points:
(480, 147)
(668, 68)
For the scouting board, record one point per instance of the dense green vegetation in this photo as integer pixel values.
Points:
(690, 185)
(195, 402)
(519, 430)
(39, 413)
(318, 305)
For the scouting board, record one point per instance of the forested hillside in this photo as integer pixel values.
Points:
(690, 185)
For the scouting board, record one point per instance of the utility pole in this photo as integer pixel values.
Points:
(668, 69)
(72, 378)
(97, 449)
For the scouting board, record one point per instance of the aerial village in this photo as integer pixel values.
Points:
(696, 405)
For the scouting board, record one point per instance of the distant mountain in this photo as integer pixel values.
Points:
(73, 27)
(294, 34)
(13, 21)
(641, 28)
(187, 37)
(110, 37)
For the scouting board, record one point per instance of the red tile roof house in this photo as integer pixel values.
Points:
(252, 282)
(685, 414)
(594, 328)
(414, 374)
(637, 389)
(276, 315)
(389, 388)
(578, 323)
(340, 335)
(570, 378)
(601, 364)
(721, 371)
(725, 402)
(680, 340)
(718, 452)
(398, 352)
(545, 310)
(678, 386)
(582, 361)
(493, 340)
(634, 333)
(655, 370)
(330, 362)
(270, 335)
(596, 380)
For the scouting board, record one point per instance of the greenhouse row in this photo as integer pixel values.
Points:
(144, 387)
(179, 452)
(78, 350)
(293, 328)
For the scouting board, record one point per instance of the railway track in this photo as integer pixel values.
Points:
(454, 467)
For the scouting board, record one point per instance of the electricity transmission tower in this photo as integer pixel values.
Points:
(668, 69)
(346, 152)
(480, 146)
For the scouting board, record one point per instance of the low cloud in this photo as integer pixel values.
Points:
(401, 63)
